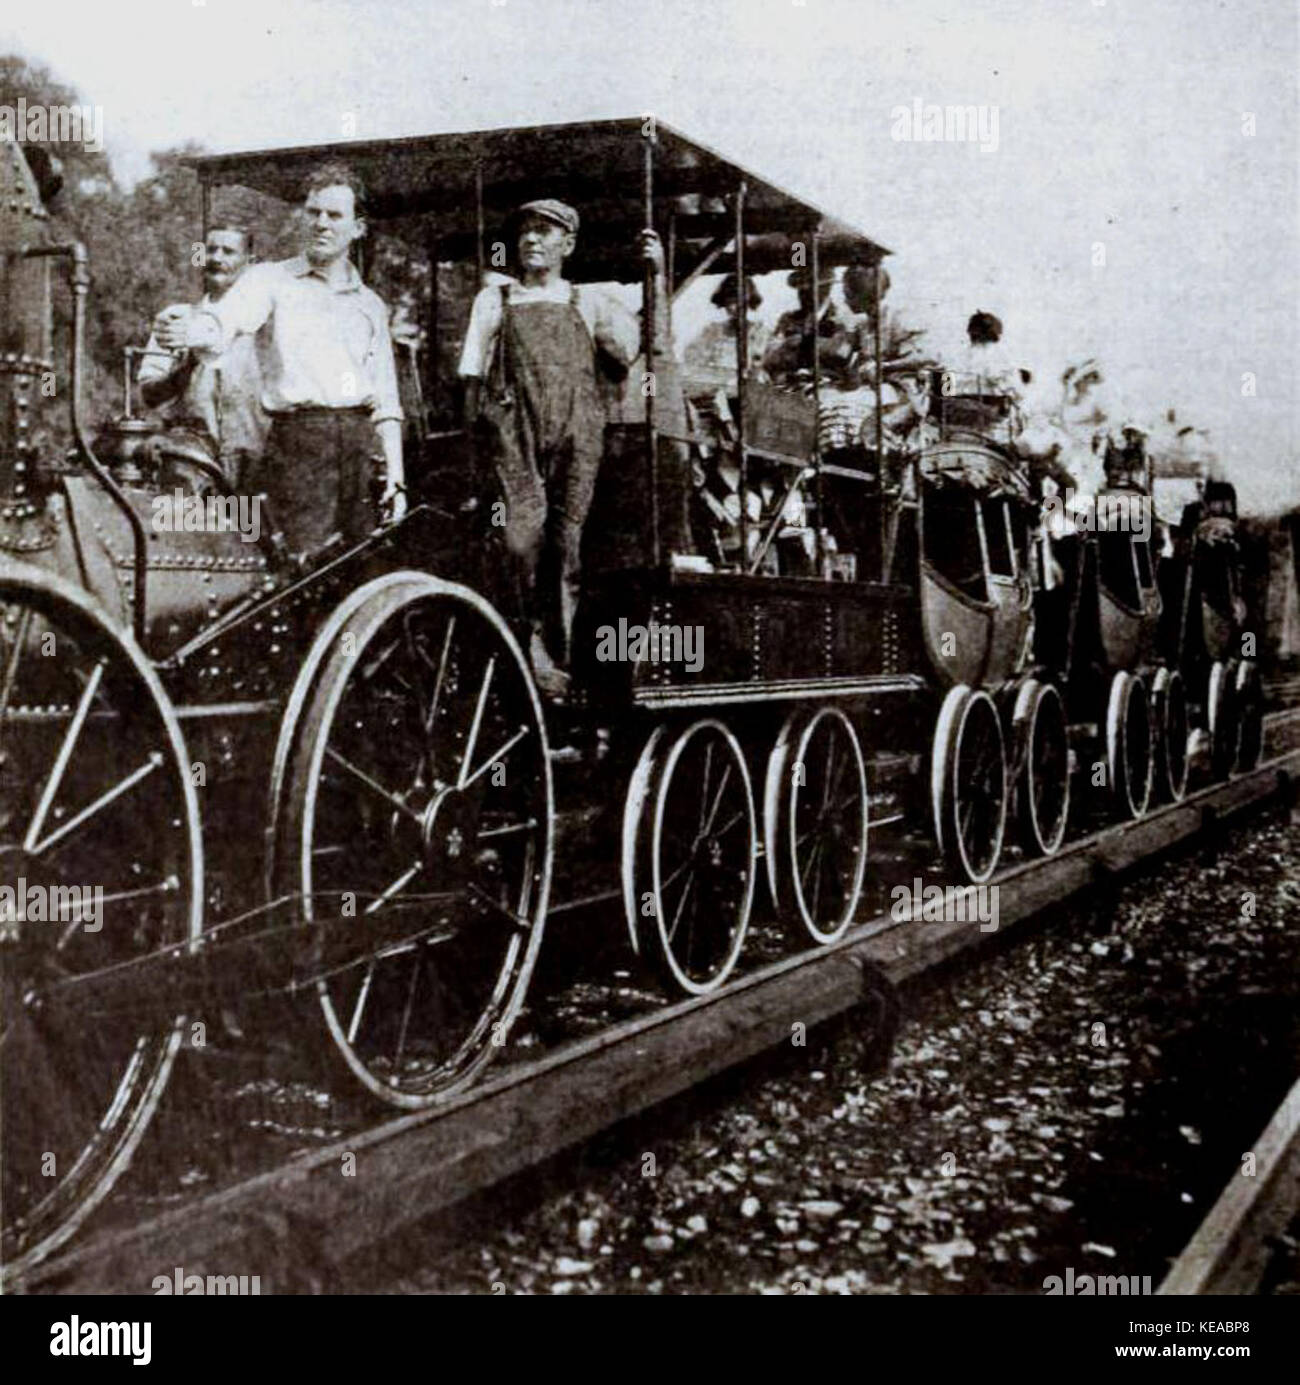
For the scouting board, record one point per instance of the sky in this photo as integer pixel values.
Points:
(1142, 203)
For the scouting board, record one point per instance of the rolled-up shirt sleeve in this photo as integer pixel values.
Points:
(388, 403)
(156, 363)
(243, 308)
(616, 331)
(480, 335)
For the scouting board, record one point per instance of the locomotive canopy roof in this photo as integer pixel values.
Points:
(426, 188)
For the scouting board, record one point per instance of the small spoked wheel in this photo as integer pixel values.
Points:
(1169, 709)
(1129, 760)
(101, 864)
(968, 783)
(1250, 715)
(1043, 784)
(1221, 718)
(689, 855)
(412, 805)
(815, 822)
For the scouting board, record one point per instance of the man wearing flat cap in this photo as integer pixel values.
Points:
(534, 354)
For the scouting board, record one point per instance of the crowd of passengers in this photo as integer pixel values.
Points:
(294, 359)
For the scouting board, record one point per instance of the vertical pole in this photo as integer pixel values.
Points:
(481, 258)
(205, 216)
(817, 402)
(742, 365)
(649, 336)
(880, 428)
(670, 266)
(433, 363)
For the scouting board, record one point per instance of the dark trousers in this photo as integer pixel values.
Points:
(316, 474)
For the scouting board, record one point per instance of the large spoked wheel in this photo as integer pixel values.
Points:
(1043, 783)
(968, 783)
(1250, 715)
(413, 809)
(1129, 760)
(1221, 718)
(101, 862)
(1169, 705)
(689, 855)
(815, 822)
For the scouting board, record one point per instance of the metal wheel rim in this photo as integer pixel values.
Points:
(55, 1217)
(787, 834)
(1250, 716)
(1137, 748)
(962, 812)
(487, 1033)
(1047, 841)
(1172, 730)
(665, 949)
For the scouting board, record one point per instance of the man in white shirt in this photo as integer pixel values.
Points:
(532, 361)
(220, 398)
(329, 382)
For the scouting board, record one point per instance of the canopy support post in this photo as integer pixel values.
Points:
(817, 403)
(742, 365)
(885, 560)
(648, 338)
(480, 257)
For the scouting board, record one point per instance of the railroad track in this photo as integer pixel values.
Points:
(322, 1207)
(1230, 1252)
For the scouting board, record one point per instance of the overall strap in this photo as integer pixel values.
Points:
(502, 355)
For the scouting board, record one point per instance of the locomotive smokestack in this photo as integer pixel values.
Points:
(26, 318)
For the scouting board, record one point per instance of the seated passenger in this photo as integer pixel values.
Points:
(790, 347)
(714, 347)
(987, 368)
(898, 344)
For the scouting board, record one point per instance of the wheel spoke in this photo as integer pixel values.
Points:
(523, 924)
(441, 675)
(373, 785)
(65, 754)
(717, 801)
(828, 776)
(497, 756)
(737, 816)
(472, 739)
(168, 886)
(509, 829)
(108, 796)
(681, 903)
(396, 887)
(362, 997)
(704, 788)
(818, 845)
(406, 1012)
(11, 669)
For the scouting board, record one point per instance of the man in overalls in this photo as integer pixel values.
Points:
(537, 357)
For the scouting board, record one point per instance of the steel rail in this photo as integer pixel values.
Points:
(1230, 1251)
